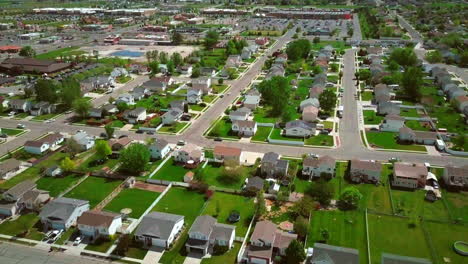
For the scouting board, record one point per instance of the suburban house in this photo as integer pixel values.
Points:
(159, 229)
(20, 105)
(95, 112)
(299, 128)
(53, 171)
(95, 224)
(309, 102)
(233, 61)
(189, 154)
(159, 149)
(246, 53)
(324, 253)
(185, 69)
(125, 98)
(85, 141)
(208, 71)
(381, 93)
(406, 134)
(140, 92)
(310, 113)
(172, 116)
(240, 114)
(316, 91)
(365, 171)
(276, 70)
(261, 41)
(119, 143)
(274, 167)
(206, 232)
(392, 123)
(9, 168)
(316, 167)
(387, 108)
(194, 96)
(245, 128)
(42, 108)
(96, 83)
(267, 242)
(227, 154)
(136, 115)
(203, 84)
(157, 84)
(461, 102)
(409, 175)
(62, 213)
(118, 72)
(109, 109)
(252, 99)
(255, 183)
(20, 196)
(179, 104)
(37, 147)
(456, 177)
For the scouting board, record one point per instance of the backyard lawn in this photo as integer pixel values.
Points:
(416, 125)
(136, 199)
(93, 189)
(371, 117)
(228, 202)
(387, 140)
(171, 172)
(413, 204)
(174, 128)
(228, 257)
(261, 115)
(24, 223)
(212, 177)
(367, 96)
(261, 134)
(319, 140)
(443, 236)
(457, 204)
(409, 112)
(56, 185)
(86, 166)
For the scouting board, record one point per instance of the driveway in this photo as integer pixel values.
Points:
(193, 259)
(153, 255)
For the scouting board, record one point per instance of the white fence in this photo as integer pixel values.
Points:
(286, 142)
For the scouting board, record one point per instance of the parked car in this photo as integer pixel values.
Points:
(55, 235)
(181, 143)
(77, 241)
(21, 126)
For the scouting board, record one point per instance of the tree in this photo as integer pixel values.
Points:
(288, 114)
(260, 205)
(122, 106)
(273, 93)
(459, 141)
(316, 40)
(109, 130)
(303, 207)
(232, 173)
(324, 234)
(102, 149)
(27, 51)
(135, 158)
(220, 81)
(195, 72)
(154, 67)
(411, 82)
(327, 100)
(393, 66)
(322, 192)
(434, 56)
(176, 58)
(73, 147)
(350, 198)
(67, 164)
(295, 253)
(123, 245)
(298, 49)
(404, 56)
(177, 38)
(46, 90)
(82, 107)
(70, 91)
(211, 39)
(301, 226)
(231, 73)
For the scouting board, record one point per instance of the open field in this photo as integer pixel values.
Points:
(135, 199)
(56, 185)
(387, 140)
(212, 177)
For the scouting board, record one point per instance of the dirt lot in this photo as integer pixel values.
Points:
(149, 187)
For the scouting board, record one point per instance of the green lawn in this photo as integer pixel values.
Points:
(393, 235)
(136, 199)
(212, 176)
(262, 134)
(94, 190)
(228, 257)
(208, 98)
(371, 117)
(65, 236)
(457, 203)
(117, 123)
(101, 245)
(448, 118)
(172, 203)
(302, 185)
(56, 185)
(171, 172)
(412, 203)
(24, 223)
(123, 79)
(219, 88)
(44, 117)
(345, 228)
(86, 165)
(222, 128)
(262, 115)
(387, 140)
(416, 125)
(408, 112)
(196, 107)
(34, 172)
(69, 51)
(228, 202)
(174, 128)
(319, 140)
(276, 134)
(367, 96)
(11, 131)
(443, 236)
(265, 33)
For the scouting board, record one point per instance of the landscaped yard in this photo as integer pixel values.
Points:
(262, 134)
(56, 185)
(212, 176)
(171, 203)
(101, 245)
(261, 115)
(371, 117)
(413, 204)
(448, 118)
(21, 225)
(135, 199)
(228, 257)
(44, 117)
(11, 131)
(94, 190)
(367, 96)
(174, 128)
(457, 204)
(276, 134)
(171, 172)
(319, 140)
(387, 140)
(443, 236)
(88, 166)
(196, 107)
(222, 128)
(416, 125)
(208, 98)
(228, 202)
(409, 112)
(219, 88)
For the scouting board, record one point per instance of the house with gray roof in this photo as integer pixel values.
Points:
(84, 140)
(206, 232)
(255, 183)
(272, 166)
(20, 105)
(22, 195)
(392, 123)
(178, 104)
(316, 167)
(387, 107)
(329, 254)
(240, 114)
(194, 96)
(299, 128)
(159, 229)
(171, 116)
(62, 213)
(9, 168)
(159, 149)
(136, 115)
(365, 171)
(456, 178)
(42, 108)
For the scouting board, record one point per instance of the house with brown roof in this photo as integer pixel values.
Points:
(230, 154)
(409, 175)
(206, 232)
(30, 65)
(36, 147)
(267, 242)
(456, 177)
(9, 168)
(316, 167)
(119, 144)
(95, 224)
(365, 171)
(310, 113)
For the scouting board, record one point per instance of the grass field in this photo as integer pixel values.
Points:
(56, 185)
(371, 118)
(367, 96)
(457, 204)
(276, 134)
(387, 140)
(135, 199)
(443, 236)
(319, 140)
(171, 172)
(101, 245)
(416, 125)
(174, 128)
(19, 226)
(60, 52)
(212, 177)
(228, 202)
(261, 134)
(413, 204)
(222, 128)
(171, 203)
(86, 165)
(93, 189)
(262, 115)
(11, 131)
(409, 112)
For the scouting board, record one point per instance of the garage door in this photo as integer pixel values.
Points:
(159, 242)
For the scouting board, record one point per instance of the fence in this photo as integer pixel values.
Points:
(286, 142)
(242, 248)
(113, 194)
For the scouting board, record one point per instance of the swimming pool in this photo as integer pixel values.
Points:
(127, 53)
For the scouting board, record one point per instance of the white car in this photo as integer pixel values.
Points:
(20, 126)
(55, 235)
(77, 241)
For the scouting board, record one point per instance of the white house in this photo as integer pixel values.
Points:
(315, 167)
(171, 116)
(135, 115)
(185, 69)
(159, 229)
(95, 224)
(240, 114)
(309, 102)
(244, 128)
(203, 84)
(408, 175)
(37, 147)
(62, 213)
(189, 152)
(85, 141)
(392, 123)
(299, 128)
(159, 149)
(125, 98)
(194, 96)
